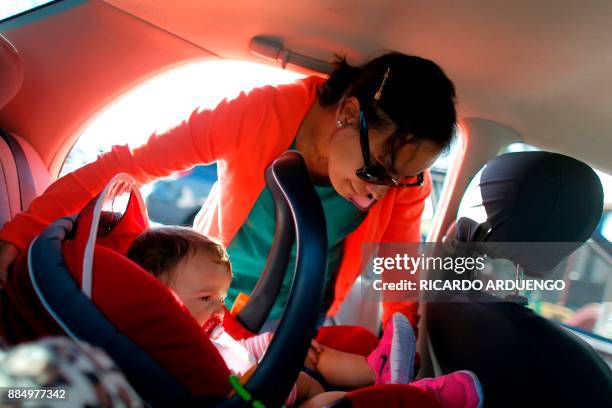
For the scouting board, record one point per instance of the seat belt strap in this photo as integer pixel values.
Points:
(27, 190)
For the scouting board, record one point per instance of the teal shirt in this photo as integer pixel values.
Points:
(249, 249)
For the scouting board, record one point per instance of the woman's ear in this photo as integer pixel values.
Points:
(348, 111)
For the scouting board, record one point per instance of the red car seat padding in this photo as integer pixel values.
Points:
(350, 339)
(392, 396)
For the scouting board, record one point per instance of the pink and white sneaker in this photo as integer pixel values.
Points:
(460, 389)
(393, 358)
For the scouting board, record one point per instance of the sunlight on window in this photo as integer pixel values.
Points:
(166, 100)
(606, 227)
(606, 182)
(9, 8)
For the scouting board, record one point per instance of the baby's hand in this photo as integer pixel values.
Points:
(313, 352)
(316, 346)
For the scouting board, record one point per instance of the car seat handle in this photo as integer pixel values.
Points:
(255, 313)
(272, 380)
(89, 221)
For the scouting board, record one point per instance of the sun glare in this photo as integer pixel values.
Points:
(166, 100)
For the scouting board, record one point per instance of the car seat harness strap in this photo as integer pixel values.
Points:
(27, 190)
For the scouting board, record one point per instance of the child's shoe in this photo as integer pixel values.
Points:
(393, 358)
(460, 389)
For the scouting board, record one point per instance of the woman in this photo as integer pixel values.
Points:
(367, 134)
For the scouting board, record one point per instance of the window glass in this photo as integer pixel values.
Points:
(159, 104)
(10, 8)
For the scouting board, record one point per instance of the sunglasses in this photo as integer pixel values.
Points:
(375, 173)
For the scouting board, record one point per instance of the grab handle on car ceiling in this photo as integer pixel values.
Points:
(272, 49)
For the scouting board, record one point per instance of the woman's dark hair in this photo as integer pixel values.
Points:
(159, 250)
(417, 97)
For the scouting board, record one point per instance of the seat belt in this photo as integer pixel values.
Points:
(27, 190)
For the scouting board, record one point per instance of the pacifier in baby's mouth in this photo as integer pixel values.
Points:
(211, 324)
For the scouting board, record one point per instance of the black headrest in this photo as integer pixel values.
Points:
(540, 197)
(535, 197)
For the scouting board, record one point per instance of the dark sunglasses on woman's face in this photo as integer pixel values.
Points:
(375, 173)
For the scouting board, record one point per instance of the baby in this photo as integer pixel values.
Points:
(198, 271)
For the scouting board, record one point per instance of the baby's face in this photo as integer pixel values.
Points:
(201, 284)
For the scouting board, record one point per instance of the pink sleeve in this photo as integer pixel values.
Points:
(257, 345)
(290, 401)
(207, 136)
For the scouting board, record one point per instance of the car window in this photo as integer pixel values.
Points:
(160, 103)
(12, 8)
(585, 302)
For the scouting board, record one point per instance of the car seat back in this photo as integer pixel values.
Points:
(521, 358)
(531, 197)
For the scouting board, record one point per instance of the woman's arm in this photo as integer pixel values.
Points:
(207, 136)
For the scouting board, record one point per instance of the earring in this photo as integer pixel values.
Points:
(339, 123)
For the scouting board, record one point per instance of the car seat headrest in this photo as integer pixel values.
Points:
(11, 71)
(532, 197)
(541, 197)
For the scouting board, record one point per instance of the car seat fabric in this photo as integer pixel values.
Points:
(520, 358)
(23, 315)
(350, 339)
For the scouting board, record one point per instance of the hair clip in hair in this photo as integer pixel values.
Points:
(378, 93)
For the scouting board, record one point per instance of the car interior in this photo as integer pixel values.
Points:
(529, 73)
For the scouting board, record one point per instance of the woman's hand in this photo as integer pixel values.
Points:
(8, 254)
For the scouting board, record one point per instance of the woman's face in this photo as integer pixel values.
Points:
(345, 157)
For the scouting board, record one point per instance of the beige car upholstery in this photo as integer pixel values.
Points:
(13, 196)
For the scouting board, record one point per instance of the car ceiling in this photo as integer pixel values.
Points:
(539, 67)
